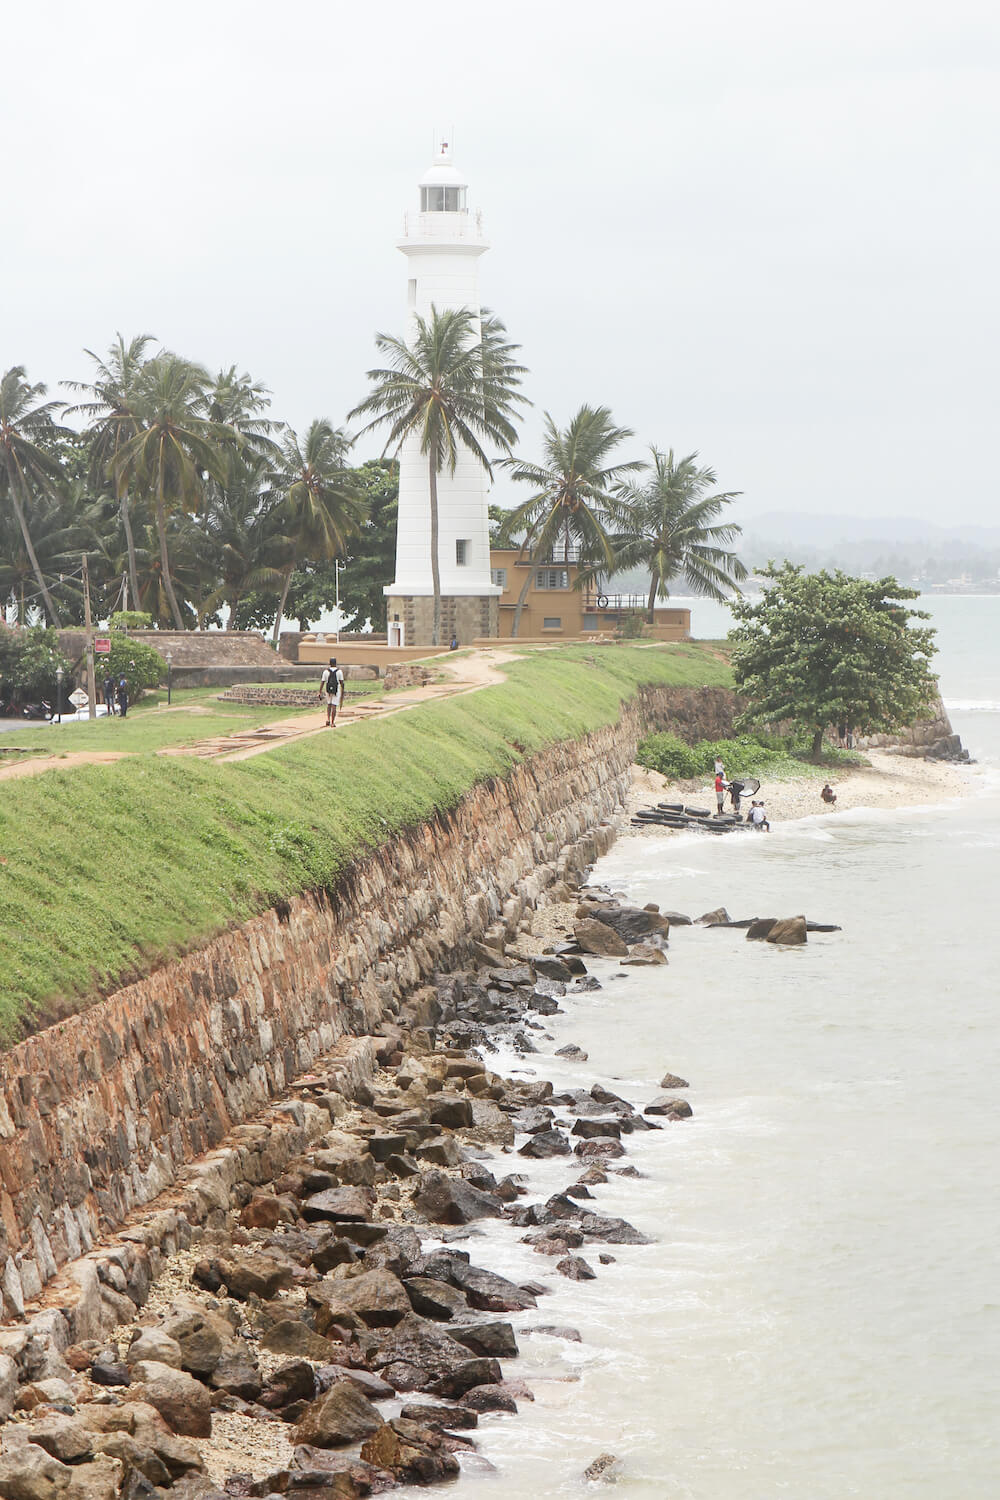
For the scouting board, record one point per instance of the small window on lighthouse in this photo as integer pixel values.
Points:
(461, 553)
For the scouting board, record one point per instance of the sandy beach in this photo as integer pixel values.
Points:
(888, 781)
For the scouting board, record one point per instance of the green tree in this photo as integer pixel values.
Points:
(140, 664)
(323, 507)
(111, 421)
(26, 467)
(244, 536)
(447, 392)
(821, 649)
(172, 449)
(574, 487)
(668, 525)
(28, 662)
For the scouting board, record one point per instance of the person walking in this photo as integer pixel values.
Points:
(122, 697)
(331, 688)
(109, 695)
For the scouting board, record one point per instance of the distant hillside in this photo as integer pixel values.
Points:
(916, 551)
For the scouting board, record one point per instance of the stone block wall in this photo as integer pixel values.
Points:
(100, 1114)
(469, 618)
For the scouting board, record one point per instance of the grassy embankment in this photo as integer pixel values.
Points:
(108, 870)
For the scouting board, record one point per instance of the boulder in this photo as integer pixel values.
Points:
(450, 1200)
(600, 1148)
(183, 1402)
(760, 928)
(632, 923)
(264, 1211)
(63, 1437)
(545, 1143)
(199, 1338)
(677, 918)
(450, 1111)
(339, 1205)
(297, 1340)
(591, 1127)
(572, 1053)
(669, 1108)
(488, 1292)
(494, 1340)
(459, 1417)
(490, 1398)
(412, 1454)
(551, 967)
(378, 1298)
(255, 1276)
(435, 1299)
(789, 932)
(293, 1381)
(555, 1331)
(155, 1344)
(443, 1151)
(30, 1473)
(99, 1480)
(671, 1081)
(606, 1469)
(597, 937)
(645, 955)
(343, 1415)
(237, 1372)
(717, 918)
(576, 1269)
(535, 1118)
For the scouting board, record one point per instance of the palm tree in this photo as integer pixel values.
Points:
(667, 525)
(25, 464)
(448, 391)
(323, 505)
(173, 447)
(112, 422)
(573, 496)
(243, 529)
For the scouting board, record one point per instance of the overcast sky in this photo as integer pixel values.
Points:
(766, 231)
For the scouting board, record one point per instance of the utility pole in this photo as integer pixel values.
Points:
(91, 674)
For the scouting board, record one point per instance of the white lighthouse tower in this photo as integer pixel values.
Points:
(442, 245)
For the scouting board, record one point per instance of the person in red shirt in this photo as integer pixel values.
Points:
(720, 790)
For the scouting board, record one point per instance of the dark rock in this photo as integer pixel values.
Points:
(297, 1339)
(435, 1299)
(511, 1187)
(597, 937)
(340, 1204)
(544, 1005)
(612, 1231)
(544, 1144)
(264, 1211)
(789, 932)
(535, 1118)
(450, 1110)
(110, 1372)
(490, 1398)
(551, 967)
(384, 1146)
(183, 1402)
(576, 1269)
(198, 1336)
(671, 1081)
(669, 1108)
(411, 1453)
(602, 1148)
(632, 923)
(448, 1200)
(555, 1331)
(606, 1469)
(645, 955)
(572, 1053)
(237, 1372)
(578, 1190)
(461, 1417)
(717, 918)
(444, 1151)
(494, 1339)
(294, 1381)
(378, 1298)
(361, 1234)
(759, 929)
(343, 1415)
(589, 1128)
(479, 1175)
(333, 1252)
(458, 1382)
(255, 1276)
(488, 1292)
(823, 927)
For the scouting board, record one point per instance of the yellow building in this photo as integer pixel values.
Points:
(555, 609)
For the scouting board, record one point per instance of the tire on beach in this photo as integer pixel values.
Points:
(671, 806)
(697, 812)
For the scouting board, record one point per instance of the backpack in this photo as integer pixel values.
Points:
(334, 680)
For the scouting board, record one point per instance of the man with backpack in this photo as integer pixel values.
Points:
(331, 688)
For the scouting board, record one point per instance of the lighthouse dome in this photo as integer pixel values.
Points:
(443, 189)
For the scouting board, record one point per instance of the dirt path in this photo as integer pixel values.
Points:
(65, 762)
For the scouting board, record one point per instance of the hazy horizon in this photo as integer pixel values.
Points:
(767, 234)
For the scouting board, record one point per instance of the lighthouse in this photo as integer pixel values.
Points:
(442, 244)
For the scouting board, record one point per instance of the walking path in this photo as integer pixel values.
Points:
(469, 672)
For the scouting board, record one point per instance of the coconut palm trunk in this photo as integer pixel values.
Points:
(521, 601)
(17, 500)
(161, 531)
(651, 601)
(279, 617)
(433, 460)
(133, 567)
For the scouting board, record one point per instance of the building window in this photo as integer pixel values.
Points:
(590, 622)
(552, 578)
(442, 200)
(552, 622)
(498, 577)
(462, 553)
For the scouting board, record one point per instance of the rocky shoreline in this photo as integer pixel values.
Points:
(324, 1326)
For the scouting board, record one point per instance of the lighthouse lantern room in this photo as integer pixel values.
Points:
(442, 244)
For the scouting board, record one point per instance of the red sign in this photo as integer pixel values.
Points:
(102, 645)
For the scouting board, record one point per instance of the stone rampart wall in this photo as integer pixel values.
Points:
(100, 1113)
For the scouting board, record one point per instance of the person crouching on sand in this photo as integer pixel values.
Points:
(828, 794)
(758, 818)
(331, 688)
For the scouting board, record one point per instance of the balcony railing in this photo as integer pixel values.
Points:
(597, 599)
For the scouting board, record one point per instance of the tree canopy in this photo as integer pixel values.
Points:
(824, 649)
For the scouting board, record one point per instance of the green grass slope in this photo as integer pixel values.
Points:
(109, 870)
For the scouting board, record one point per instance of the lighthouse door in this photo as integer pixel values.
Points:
(396, 633)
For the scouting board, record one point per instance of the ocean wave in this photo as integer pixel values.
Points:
(972, 705)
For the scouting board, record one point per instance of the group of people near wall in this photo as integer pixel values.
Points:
(115, 696)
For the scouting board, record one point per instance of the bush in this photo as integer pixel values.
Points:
(668, 755)
(131, 619)
(746, 755)
(28, 661)
(139, 664)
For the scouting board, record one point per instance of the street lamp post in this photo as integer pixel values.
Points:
(170, 663)
(59, 678)
(336, 574)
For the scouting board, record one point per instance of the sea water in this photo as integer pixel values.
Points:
(819, 1313)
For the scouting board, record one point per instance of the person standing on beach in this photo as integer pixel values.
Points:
(735, 793)
(720, 787)
(331, 688)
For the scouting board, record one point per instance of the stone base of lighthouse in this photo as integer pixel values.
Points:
(466, 617)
